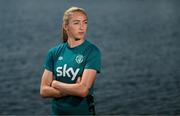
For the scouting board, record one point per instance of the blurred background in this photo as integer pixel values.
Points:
(140, 54)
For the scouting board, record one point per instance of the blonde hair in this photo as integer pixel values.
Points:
(66, 16)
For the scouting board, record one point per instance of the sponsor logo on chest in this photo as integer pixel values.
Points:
(65, 71)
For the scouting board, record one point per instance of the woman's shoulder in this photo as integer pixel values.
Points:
(93, 47)
(56, 48)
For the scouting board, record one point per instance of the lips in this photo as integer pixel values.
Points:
(81, 33)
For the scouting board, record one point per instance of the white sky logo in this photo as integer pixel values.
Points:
(63, 71)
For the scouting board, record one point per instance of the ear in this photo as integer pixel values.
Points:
(65, 27)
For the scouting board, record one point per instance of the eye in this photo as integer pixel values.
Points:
(85, 22)
(76, 23)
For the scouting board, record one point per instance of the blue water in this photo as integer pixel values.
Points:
(140, 46)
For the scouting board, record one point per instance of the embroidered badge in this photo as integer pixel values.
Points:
(79, 59)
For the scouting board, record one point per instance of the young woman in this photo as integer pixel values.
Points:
(71, 68)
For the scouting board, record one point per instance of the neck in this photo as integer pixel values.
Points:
(73, 43)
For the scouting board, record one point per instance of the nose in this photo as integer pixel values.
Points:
(82, 26)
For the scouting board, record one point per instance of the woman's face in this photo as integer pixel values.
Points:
(77, 26)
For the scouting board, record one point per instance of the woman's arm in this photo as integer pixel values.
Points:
(78, 89)
(45, 89)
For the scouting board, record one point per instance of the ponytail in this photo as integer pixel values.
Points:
(64, 35)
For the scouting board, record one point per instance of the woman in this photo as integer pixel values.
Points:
(71, 68)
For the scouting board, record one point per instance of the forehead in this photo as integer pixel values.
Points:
(77, 16)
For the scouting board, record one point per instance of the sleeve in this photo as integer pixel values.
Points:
(94, 60)
(49, 62)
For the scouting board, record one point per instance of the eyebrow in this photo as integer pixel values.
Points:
(79, 20)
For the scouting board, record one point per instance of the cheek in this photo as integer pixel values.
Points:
(71, 28)
(86, 26)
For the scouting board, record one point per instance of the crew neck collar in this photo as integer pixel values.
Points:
(78, 46)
